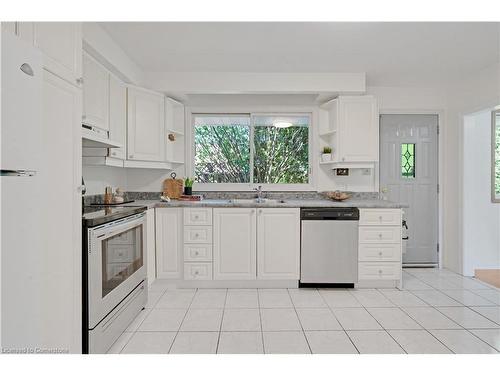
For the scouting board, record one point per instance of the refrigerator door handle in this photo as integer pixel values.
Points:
(27, 69)
(16, 173)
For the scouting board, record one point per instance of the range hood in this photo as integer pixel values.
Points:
(96, 138)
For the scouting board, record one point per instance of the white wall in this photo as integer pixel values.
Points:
(98, 177)
(473, 94)
(481, 218)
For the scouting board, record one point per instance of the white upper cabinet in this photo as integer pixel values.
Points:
(145, 125)
(95, 94)
(278, 243)
(117, 116)
(352, 129)
(234, 244)
(174, 125)
(61, 44)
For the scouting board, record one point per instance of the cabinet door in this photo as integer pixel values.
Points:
(61, 44)
(234, 245)
(150, 245)
(95, 94)
(358, 126)
(146, 128)
(278, 243)
(9, 27)
(61, 162)
(168, 242)
(117, 116)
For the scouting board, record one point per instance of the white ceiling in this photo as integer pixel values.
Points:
(392, 54)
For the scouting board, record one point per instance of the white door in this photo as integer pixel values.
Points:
(117, 116)
(95, 94)
(278, 243)
(61, 44)
(234, 244)
(168, 242)
(409, 171)
(146, 125)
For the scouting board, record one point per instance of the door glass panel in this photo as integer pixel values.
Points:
(408, 160)
(122, 255)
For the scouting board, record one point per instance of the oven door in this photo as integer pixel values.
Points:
(116, 264)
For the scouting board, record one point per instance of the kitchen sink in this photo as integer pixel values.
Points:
(256, 201)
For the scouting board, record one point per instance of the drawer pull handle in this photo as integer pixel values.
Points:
(380, 253)
(196, 234)
(380, 272)
(196, 272)
(380, 218)
(380, 235)
(196, 217)
(196, 253)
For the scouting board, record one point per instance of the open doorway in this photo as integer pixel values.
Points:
(409, 174)
(480, 216)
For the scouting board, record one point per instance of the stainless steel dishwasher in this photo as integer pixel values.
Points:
(329, 246)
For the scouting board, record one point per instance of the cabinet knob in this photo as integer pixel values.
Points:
(260, 212)
(380, 271)
(196, 216)
(196, 253)
(253, 211)
(131, 156)
(113, 153)
(380, 218)
(380, 253)
(380, 235)
(196, 272)
(79, 80)
(196, 234)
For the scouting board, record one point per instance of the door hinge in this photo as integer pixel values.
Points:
(437, 248)
(438, 188)
(438, 129)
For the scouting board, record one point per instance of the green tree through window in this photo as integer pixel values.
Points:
(227, 146)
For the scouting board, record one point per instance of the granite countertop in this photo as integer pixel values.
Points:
(285, 203)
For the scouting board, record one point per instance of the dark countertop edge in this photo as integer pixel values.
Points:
(135, 209)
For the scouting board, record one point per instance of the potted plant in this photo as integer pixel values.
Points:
(188, 186)
(327, 154)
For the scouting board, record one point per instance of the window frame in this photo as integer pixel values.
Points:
(252, 112)
(494, 114)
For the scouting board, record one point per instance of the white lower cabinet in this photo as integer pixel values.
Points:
(265, 246)
(278, 243)
(380, 246)
(169, 228)
(235, 244)
(198, 271)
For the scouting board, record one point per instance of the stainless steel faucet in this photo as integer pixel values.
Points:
(259, 193)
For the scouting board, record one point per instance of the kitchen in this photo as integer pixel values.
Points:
(231, 209)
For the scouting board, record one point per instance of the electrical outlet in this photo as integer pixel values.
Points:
(342, 171)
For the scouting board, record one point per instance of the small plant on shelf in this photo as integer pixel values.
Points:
(188, 186)
(327, 154)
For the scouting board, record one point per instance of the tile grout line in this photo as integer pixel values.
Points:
(341, 326)
(183, 318)
(221, 322)
(297, 315)
(260, 320)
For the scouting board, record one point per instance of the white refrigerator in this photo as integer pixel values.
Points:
(20, 189)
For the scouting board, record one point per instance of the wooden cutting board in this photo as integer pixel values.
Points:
(172, 187)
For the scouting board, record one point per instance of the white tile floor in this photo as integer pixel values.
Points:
(437, 312)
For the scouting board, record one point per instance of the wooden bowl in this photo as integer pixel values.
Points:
(337, 195)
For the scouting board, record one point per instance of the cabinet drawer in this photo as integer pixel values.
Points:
(197, 271)
(379, 234)
(380, 217)
(198, 253)
(197, 216)
(379, 271)
(197, 234)
(380, 252)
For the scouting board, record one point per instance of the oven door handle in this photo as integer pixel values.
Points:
(110, 231)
